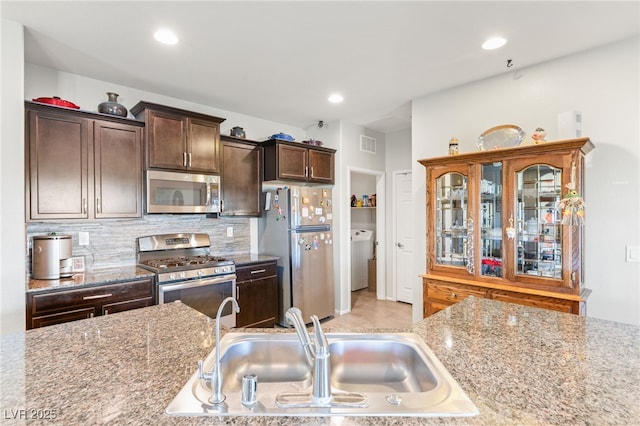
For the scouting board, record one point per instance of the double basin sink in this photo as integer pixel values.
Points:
(397, 374)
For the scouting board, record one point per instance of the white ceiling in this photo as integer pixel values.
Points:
(281, 60)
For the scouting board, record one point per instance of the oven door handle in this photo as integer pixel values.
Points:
(197, 283)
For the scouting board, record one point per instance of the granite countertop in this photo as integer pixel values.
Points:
(121, 273)
(519, 365)
(89, 279)
(249, 258)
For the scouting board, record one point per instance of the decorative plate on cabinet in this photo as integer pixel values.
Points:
(505, 136)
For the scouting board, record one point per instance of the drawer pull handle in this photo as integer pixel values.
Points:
(97, 296)
(453, 295)
(258, 271)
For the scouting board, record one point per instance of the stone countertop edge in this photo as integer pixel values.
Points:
(121, 273)
(89, 279)
(519, 365)
(248, 259)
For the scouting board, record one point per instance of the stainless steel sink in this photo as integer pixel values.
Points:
(398, 374)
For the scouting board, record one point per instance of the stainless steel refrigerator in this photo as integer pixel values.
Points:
(296, 226)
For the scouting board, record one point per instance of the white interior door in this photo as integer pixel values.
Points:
(404, 238)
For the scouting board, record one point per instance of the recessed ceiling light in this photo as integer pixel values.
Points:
(166, 36)
(494, 43)
(336, 98)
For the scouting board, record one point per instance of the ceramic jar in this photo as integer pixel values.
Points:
(112, 107)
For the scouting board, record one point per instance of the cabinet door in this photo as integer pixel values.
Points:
(257, 295)
(118, 170)
(292, 162)
(258, 303)
(166, 143)
(490, 221)
(321, 166)
(449, 227)
(203, 146)
(240, 179)
(541, 248)
(57, 166)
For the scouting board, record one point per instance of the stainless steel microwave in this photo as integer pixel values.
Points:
(175, 192)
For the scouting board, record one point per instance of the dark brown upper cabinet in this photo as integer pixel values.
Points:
(240, 177)
(179, 140)
(81, 165)
(293, 161)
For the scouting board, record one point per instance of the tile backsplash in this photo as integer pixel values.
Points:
(113, 242)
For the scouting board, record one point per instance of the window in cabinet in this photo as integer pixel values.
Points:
(491, 219)
(451, 220)
(539, 229)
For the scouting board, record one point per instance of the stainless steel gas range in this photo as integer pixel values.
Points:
(186, 271)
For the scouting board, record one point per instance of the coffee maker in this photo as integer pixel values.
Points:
(51, 257)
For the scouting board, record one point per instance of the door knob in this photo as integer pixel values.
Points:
(400, 245)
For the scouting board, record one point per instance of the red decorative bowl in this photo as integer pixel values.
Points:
(57, 101)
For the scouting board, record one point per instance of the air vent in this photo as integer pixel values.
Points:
(367, 144)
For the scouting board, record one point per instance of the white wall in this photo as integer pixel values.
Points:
(603, 84)
(12, 229)
(88, 93)
(398, 157)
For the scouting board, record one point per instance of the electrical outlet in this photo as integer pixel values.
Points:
(229, 231)
(83, 238)
(632, 254)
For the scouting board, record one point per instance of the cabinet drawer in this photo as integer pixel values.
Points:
(113, 308)
(95, 295)
(255, 272)
(550, 303)
(452, 293)
(62, 317)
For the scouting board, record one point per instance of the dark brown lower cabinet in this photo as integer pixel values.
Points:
(257, 295)
(56, 307)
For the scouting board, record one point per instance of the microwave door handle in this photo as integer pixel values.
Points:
(208, 201)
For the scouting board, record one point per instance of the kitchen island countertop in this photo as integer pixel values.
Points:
(519, 365)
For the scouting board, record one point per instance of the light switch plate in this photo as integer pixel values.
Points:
(229, 231)
(632, 254)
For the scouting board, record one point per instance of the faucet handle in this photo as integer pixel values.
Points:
(321, 339)
(200, 370)
(201, 374)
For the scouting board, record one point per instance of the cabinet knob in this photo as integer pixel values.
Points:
(454, 296)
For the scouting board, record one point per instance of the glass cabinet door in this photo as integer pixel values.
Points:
(451, 220)
(539, 229)
(491, 220)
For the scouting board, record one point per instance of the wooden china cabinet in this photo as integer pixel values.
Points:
(494, 227)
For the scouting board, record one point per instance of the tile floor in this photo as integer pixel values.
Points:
(368, 312)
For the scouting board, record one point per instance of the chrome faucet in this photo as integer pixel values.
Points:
(317, 354)
(215, 377)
